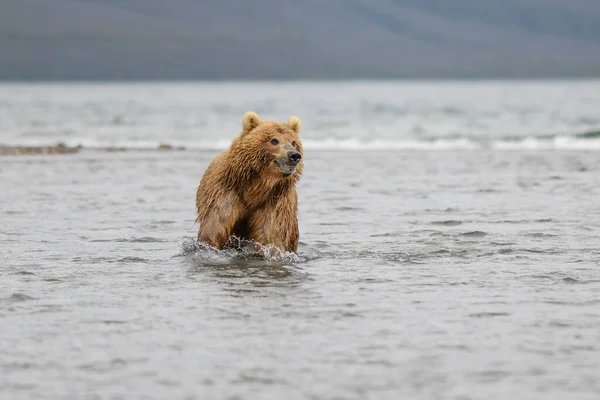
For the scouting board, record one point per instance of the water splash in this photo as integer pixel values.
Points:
(237, 250)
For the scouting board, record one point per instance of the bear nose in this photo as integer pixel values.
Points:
(294, 156)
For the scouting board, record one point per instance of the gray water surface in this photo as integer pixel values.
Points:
(420, 274)
(378, 115)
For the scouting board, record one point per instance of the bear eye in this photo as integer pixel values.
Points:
(294, 143)
(274, 142)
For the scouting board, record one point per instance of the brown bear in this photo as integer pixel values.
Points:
(249, 190)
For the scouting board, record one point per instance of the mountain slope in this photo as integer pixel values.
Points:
(187, 39)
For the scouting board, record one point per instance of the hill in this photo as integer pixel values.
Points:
(283, 39)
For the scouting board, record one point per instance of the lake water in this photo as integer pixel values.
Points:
(450, 245)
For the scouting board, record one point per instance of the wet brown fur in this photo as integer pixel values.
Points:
(243, 193)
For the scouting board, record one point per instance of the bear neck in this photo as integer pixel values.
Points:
(245, 175)
(253, 189)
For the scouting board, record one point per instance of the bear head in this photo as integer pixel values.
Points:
(270, 147)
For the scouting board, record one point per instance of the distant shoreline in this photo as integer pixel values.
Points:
(298, 80)
(62, 149)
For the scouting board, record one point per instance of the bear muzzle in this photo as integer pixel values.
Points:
(287, 163)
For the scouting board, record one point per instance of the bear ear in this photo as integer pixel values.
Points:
(294, 123)
(250, 121)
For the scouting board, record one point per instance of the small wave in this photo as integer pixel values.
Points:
(447, 223)
(539, 250)
(131, 260)
(18, 297)
(541, 235)
(575, 281)
(584, 141)
(548, 143)
(489, 314)
(379, 144)
(475, 234)
(145, 239)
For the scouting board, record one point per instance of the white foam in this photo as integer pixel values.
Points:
(527, 143)
(377, 144)
(557, 143)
